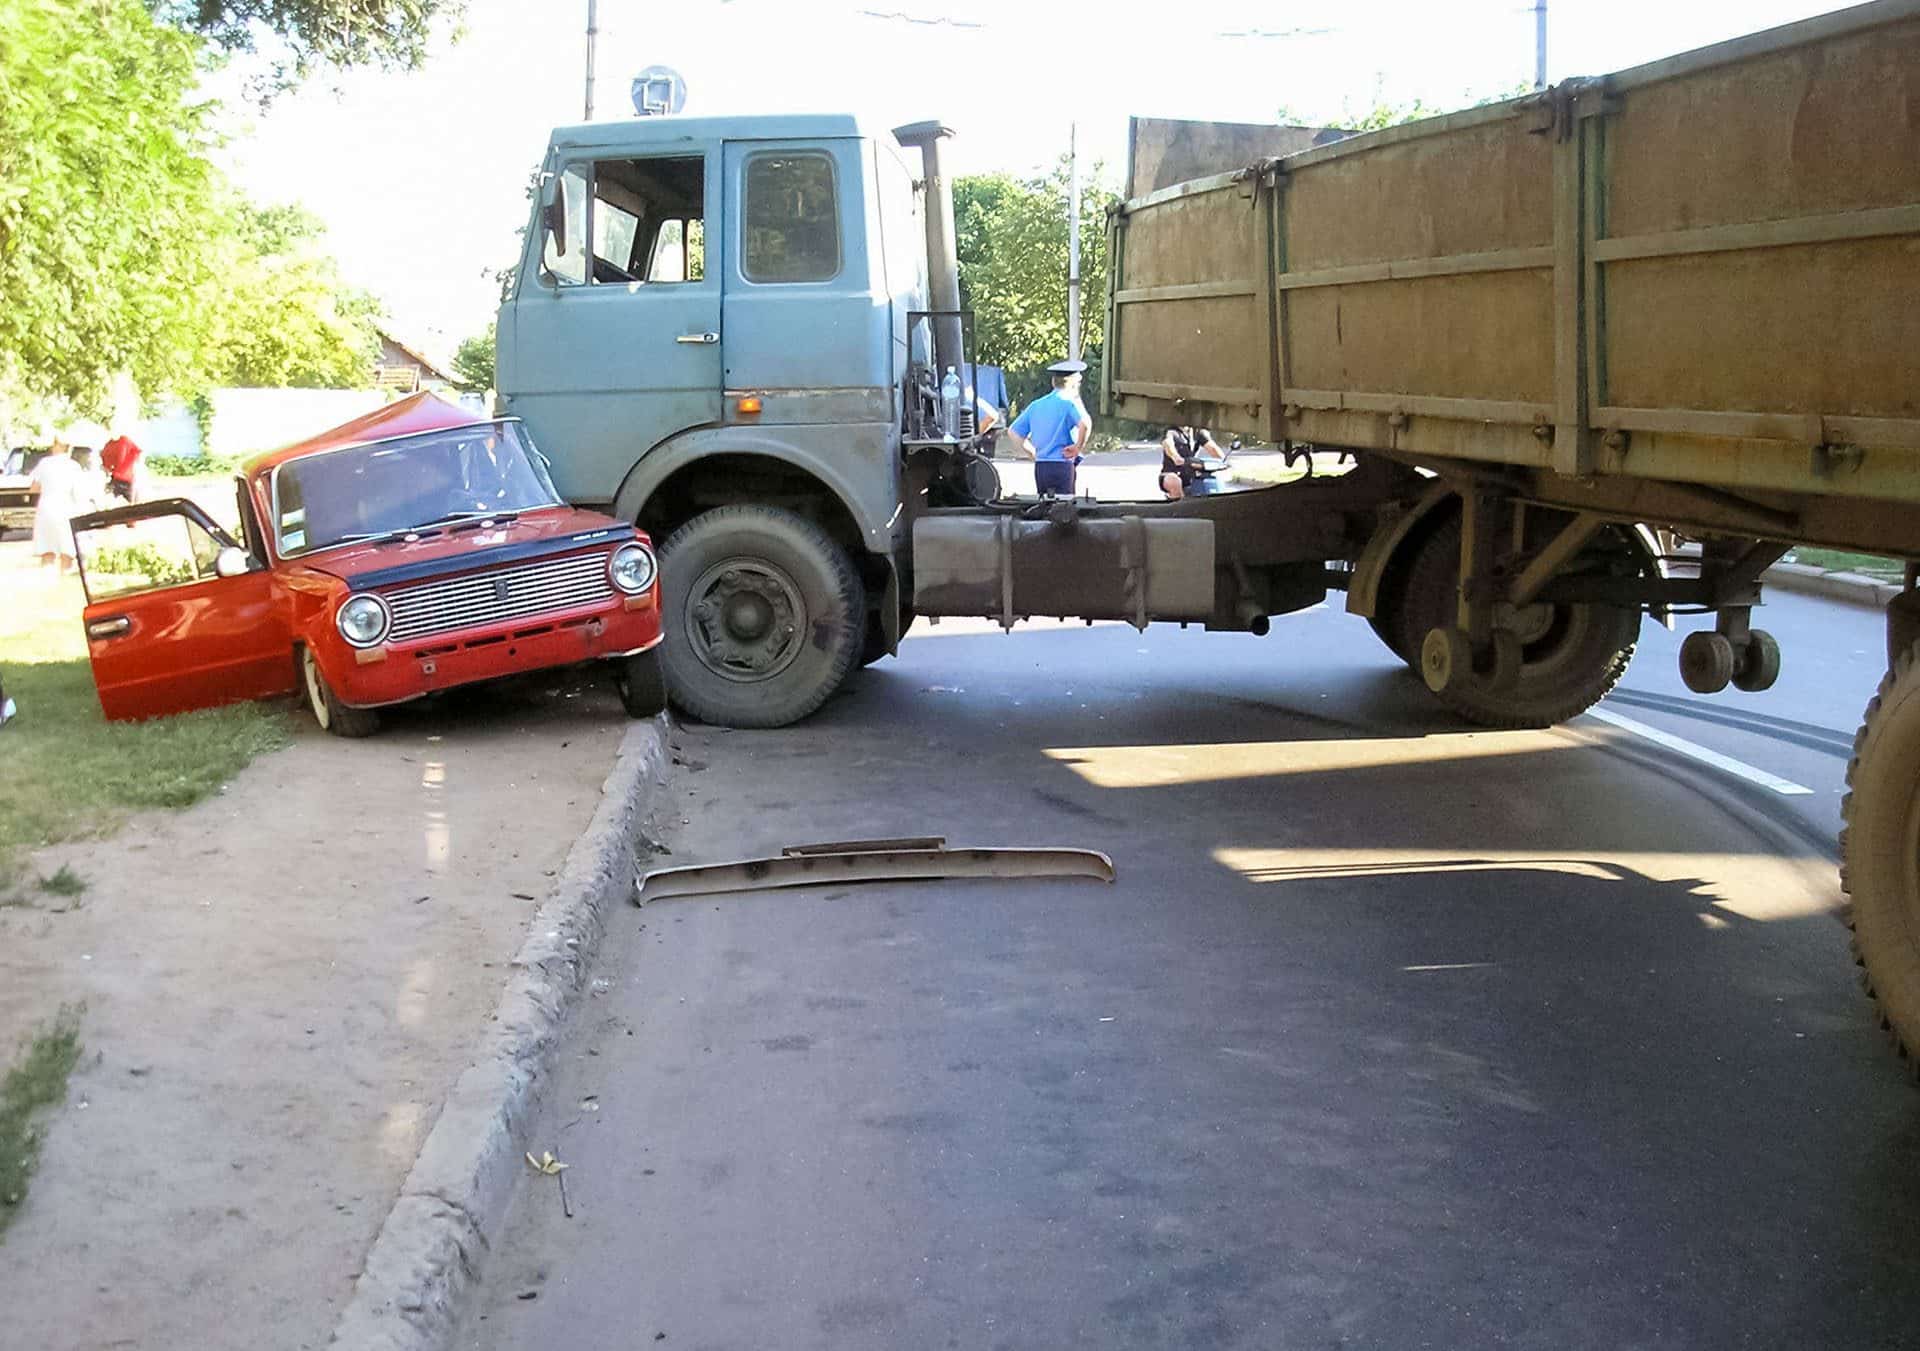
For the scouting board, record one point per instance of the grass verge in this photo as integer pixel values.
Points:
(37, 1082)
(1840, 560)
(69, 773)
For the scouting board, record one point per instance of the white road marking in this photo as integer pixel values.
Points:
(1693, 750)
(1448, 966)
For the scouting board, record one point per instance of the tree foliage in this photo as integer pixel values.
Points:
(122, 252)
(105, 198)
(280, 313)
(1011, 235)
(304, 34)
(473, 363)
(1384, 112)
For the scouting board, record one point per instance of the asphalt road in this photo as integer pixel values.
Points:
(1390, 1034)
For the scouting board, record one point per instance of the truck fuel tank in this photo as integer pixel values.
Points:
(1002, 566)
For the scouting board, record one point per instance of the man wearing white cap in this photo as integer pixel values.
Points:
(1053, 431)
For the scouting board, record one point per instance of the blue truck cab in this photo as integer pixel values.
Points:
(713, 313)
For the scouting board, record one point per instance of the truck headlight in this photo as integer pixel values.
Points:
(632, 568)
(363, 620)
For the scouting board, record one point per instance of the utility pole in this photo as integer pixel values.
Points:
(1539, 44)
(593, 31)
(1073, 240)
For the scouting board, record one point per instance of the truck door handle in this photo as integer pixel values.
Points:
(115, 627)
(701, 339)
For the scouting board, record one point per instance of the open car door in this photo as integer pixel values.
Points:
(178, 615)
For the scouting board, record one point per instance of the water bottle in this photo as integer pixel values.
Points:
(950, 406)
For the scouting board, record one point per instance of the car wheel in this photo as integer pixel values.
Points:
(641, 683)
(332, 715)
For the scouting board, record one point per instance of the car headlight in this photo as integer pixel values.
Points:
(632, 568)
(364, 620)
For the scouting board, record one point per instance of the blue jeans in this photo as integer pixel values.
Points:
(1053, 477)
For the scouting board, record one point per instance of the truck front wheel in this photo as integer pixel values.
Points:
(764, 615)
(1880, 853)
(1569, 655)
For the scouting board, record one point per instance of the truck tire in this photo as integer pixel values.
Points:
(1880, 853)
(1570, 655)
(763, 616)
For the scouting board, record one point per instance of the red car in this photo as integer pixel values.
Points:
(407, 551)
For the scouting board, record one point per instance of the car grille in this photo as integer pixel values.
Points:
(490, 597)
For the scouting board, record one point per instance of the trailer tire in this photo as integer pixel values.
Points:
(764, 615)
(1578, 654)
(1880, 854)
(1387, 629)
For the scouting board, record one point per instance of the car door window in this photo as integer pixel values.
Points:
(130, 557)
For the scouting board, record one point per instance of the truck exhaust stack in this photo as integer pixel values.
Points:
(943, 257)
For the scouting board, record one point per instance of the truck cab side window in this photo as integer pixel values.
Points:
(791, 230)
(646, 221)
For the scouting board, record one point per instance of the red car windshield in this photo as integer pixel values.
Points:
(392, 487)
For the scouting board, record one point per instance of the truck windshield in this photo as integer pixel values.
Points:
(391, 487)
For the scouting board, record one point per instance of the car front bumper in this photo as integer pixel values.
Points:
(395, 673)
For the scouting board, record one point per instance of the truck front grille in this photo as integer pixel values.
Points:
(490, 597)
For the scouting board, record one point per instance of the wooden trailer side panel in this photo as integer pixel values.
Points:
(1700, 271)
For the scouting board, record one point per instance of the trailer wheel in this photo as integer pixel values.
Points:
(1880, 853)
(1570, 655)
(764, 616)
(1387, 629)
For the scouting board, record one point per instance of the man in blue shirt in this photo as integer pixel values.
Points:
(1053, 431)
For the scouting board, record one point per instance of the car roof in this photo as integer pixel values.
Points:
(417, 413)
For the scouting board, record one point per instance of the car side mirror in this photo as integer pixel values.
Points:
(232, 562)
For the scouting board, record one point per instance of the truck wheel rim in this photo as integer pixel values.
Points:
(745, 619)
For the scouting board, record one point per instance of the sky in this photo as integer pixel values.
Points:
(421, 176)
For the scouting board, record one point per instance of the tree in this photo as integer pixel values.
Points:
(1011, 235)
(473, 363)
(106, 200)
(1386, 113)
(281, 315)
(388, 34)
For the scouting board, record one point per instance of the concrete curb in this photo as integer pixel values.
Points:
(428, 1251)
(1851, 587)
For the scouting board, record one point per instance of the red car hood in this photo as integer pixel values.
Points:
(446, 549)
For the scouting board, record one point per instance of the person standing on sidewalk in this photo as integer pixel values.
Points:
(64, 494)
(1053, 431)
(120, 457)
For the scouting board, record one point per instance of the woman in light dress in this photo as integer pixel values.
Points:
(66, 491)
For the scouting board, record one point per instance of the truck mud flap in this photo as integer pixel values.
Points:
(924, 859)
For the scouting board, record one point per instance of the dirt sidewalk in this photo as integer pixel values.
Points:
(280, 985)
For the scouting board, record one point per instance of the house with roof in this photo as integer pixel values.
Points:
(404, 369)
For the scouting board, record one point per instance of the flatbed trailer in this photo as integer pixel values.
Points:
(1680, 300)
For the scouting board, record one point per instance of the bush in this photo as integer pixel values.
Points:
(184, 466)
(141, 560)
